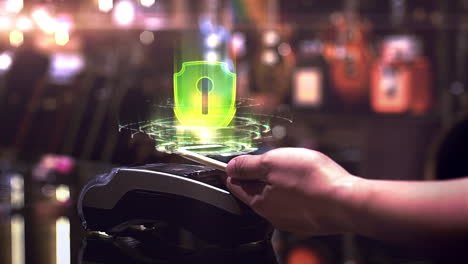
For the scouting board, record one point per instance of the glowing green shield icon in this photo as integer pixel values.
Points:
(204, 94)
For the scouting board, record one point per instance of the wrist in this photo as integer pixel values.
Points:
(352, 196)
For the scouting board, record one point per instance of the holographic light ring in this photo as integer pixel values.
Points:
(240, 137)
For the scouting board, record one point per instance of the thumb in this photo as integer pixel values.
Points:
(245, 190)
(247, 167)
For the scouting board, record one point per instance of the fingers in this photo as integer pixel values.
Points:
(247, 167)
(246, 177)
(246, 191)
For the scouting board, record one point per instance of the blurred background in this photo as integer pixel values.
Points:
(377, 85)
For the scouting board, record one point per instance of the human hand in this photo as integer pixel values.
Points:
(297, 190)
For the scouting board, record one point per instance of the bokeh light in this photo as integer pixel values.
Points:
(39, 14)
(62, 193)
(16, 38)
(5, 61)
(62, 37)
(62, 241)
(24, 23)
(238, 43)
(5, 23)
(147, 3)
(269, 57)
(147, 37)
(212, 56)
(63, 67)
(213, 40)
(17, 191)
(124, 13)
(279, 132)
(271, 38)
(14, 6)
(284, 49)
(44, 20)
(105, 5)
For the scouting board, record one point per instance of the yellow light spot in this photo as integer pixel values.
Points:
(62, 239)
(205, 136)
(16, 38)
(17, 240)
(62, 37)
(62, 193)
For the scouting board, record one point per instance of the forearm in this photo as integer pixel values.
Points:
(409, 211)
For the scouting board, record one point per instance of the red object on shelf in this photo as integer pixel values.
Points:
(347, 52)
(400, 79)
(422, 87)
(349, 73)
(391, 84)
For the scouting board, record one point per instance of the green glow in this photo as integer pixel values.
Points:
(247, 129)
(239, 137)
(204, 95)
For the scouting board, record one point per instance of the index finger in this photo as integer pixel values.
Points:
(247, 167)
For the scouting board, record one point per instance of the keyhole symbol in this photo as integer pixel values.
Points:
(205, 85)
